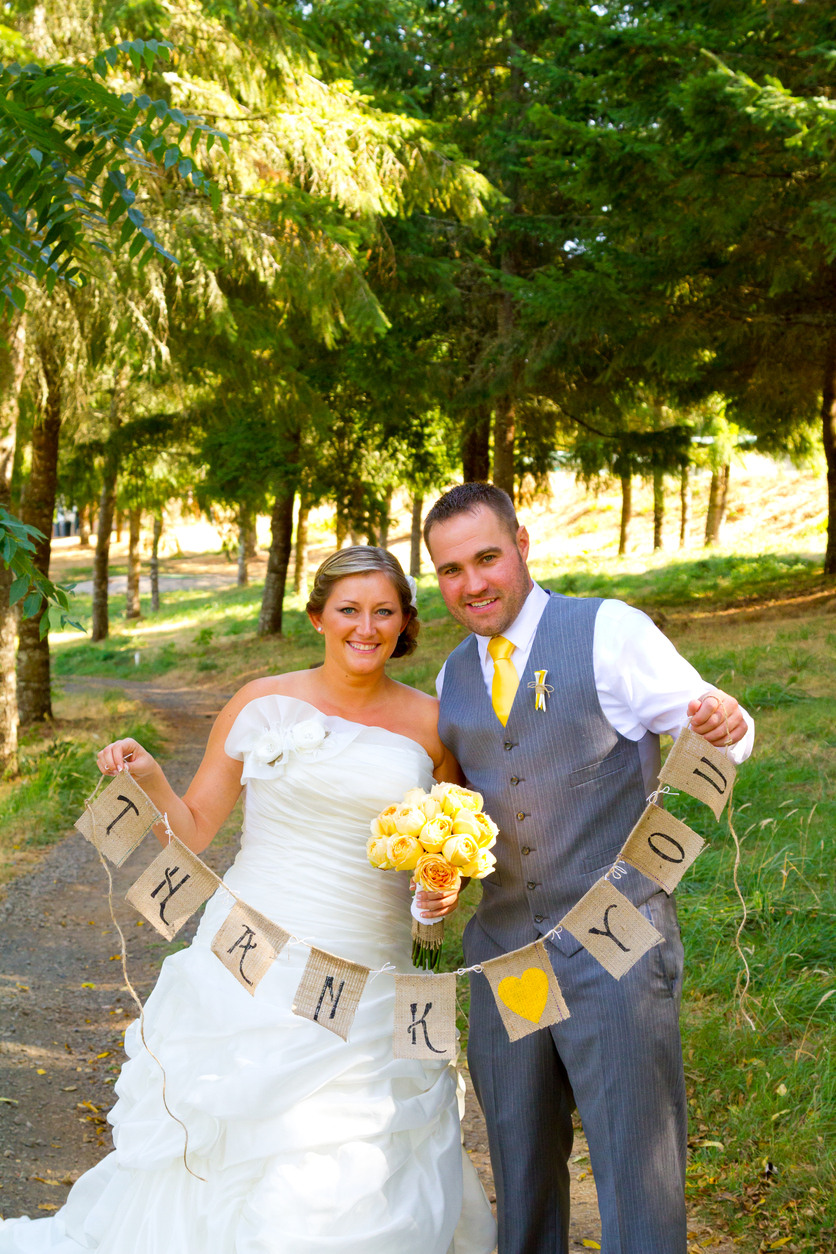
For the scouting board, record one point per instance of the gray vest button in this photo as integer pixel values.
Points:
(507, 745)
(525, 849)
(538, 918)
(531, 884)
(514, 779)
(521, 815)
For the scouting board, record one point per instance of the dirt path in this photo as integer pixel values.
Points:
(63, 1009)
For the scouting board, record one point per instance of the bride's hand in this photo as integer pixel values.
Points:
(114, 757)
(436, 905)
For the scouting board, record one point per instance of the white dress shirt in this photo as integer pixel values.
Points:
(643, 684)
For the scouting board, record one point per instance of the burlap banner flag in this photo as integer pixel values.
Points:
(246, 943)
(696, 767)
(527, 993)
(611, 928)
(425, 1016)
(116, 822)
(169, 891)
(329, 991)
(662, 848)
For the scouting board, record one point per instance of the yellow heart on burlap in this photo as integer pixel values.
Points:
(526, 995)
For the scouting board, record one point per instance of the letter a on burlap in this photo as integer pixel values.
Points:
(117, 821)
(662, 848)
(696, 767)
(425, 1016)
(170, 890)
(526, 990)
(329, 991)
(246, 943)
(611, 928)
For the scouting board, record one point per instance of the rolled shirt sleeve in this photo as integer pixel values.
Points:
(643, 683)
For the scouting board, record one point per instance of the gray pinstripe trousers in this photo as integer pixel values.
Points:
(619, 1059)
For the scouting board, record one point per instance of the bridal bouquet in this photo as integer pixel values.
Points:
(441, 836)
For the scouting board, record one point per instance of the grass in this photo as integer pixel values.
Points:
(763, 1101)
(57, 772)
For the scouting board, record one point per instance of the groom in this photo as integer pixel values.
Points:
(566, 786)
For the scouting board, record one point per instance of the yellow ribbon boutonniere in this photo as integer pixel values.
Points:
(541, 689)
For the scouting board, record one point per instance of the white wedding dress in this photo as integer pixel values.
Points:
(308, 1144)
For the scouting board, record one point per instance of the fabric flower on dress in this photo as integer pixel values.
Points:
(269, 748)
(307, 735)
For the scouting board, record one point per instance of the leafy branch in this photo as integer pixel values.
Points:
(17, 543)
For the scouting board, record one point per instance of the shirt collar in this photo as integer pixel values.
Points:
(521, 632)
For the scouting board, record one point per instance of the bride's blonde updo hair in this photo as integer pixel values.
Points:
(365, 559)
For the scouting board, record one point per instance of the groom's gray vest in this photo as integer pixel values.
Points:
(563, 785)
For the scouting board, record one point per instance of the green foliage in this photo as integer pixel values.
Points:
(67, 141)
(17, 542)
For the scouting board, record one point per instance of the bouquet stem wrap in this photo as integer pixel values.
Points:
(427, 939)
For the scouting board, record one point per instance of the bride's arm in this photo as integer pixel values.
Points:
(196, 817)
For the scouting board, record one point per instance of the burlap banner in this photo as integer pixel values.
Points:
(611, 928)
(527, 993)
(662, 848)
(696, 767)
(425, 1017)
(169, 891)
(246, 943)
(116, 822)
(329, 991)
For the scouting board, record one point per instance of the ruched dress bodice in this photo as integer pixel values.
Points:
(308, 1144)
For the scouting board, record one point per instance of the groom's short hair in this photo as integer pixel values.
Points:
(466, 498)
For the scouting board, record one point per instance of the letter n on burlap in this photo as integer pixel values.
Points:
(170, 890)
(117, 821)
(526, 990)
(662, 848)
(329, 991)
(611, 928)
(246, 943)
(425, 1017)
(696, 767)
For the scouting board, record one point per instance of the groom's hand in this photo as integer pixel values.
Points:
(717, 717)
(436, 905)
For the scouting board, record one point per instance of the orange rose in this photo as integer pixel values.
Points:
(435, 874)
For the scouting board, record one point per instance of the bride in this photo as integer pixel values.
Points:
(308, 1144)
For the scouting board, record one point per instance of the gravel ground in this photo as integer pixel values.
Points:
(63, 1006)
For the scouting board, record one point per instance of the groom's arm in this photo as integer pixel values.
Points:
(644, 684)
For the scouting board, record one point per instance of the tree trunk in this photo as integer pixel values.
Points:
(387, 519)
(84, 526)
(828, 419)
(475, 448)
(504, 434)
(34, 696)
(154, 564)
(118, 526)
(626, 512)
(658, 508)
(281, 534)
(243, 537)
(415, 539)
(685, 507)
(300, 573)
(12, 364)
(101, 562)
(252, 541)
(132, 605)
(717, 495)
(341, 528)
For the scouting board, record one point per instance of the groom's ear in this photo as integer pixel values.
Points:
(523, 543)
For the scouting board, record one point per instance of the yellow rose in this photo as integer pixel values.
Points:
(385, 821)
(377, 850)
(464, 824)
(482, 865)
(436, 875)
(414, 797)
(409, 820)
(434, 833)
(460, 850)
(404, 852)
(431, 807)
(456, 799)
(488, 831)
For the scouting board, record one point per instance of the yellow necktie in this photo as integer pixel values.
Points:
(506, 681)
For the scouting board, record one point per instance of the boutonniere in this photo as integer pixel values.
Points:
(541, 689)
